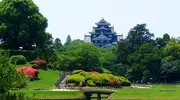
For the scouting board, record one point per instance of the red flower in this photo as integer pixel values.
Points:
(28, 71)
(39, 62)
(94, 72)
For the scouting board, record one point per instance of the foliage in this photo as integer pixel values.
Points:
(68, 40)
(9, 78)
(119, 69)
(76, 78)
(77, 71)
(22, 25)
(104, 70)
(28, 71)
(39, 62)
(35, 66)
(18, 59)
(94, 72)
(124, 81)
(14, 96)
(139, 35)
(97, 79)
(91, 83)
(79, 55)
(57, 45)
(85, 74)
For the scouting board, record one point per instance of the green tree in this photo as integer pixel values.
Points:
(57, 45)
(22, 25)
(162, 42)
(80, 55)
(147, 57)
(139, 35)
(68, 40)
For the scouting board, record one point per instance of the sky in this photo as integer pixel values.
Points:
(77, 17)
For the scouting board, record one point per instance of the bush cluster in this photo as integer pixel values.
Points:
(76, 78)
(96, 79)
(18, 59)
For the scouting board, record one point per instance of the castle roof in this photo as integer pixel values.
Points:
(101, 37)
(102, 22)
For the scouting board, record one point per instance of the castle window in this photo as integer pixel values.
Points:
(107, 41)
(110, 35)
(94, 36)
(101, 41)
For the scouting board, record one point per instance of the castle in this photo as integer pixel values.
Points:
(103, 35)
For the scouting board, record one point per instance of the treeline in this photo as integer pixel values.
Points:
(138, 57)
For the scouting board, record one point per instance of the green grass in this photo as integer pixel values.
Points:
(48, 78)
(157, 92)
(52, 94)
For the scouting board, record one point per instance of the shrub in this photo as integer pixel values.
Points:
(77, 71)
(91, 83)
(85, 74)
(94, 72)
(18, 59)
(39, 62)
(28, 71)
(35, 66)
(76, 78)
(104, 70)
(124, 81)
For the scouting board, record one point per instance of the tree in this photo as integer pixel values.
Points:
(68, 40)
(57, 44)
(80, 55)
(147, 57)
(162, 42)
(22, 25)
(139, 35)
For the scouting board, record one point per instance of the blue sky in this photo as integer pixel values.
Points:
(77, 17)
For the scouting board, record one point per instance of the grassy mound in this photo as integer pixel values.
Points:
(48, 78)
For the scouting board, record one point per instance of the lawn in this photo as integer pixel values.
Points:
(157, 92)
(52, 94)
(48, 78)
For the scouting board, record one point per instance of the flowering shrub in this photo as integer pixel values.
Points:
(39, 62)
(28, 71)
(94, 72)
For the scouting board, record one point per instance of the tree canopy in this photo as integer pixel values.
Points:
(22, 25)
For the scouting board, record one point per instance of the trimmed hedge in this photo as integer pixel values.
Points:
(76, 78)
(91, 83)
(28, 54)
(124, 81)
(77, 71)
(18, 59)
(85, 74)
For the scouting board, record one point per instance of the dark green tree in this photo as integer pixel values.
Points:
(22, 25)
(57, 45)
(162, 42)
(147, 57)
(139, 35)
(68, 40)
